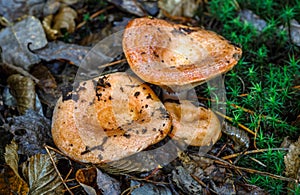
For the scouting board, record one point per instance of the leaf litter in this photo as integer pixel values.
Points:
(190, 173)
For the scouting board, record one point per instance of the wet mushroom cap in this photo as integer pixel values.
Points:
(168, 54)
(109, 118)
(196, 126)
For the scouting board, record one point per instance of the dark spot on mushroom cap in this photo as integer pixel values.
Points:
(136, 94)
(144, 130)
(126, 135)
(149, 96)
(102, 82)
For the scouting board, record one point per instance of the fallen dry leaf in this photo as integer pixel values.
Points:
(41, 176)
(292, 160)
(63, 20)
(10, 180)
(183, 180)
(13, 10)
(31, 131)
(16, 40)
(95, 181)
(60, 50)
(185, 8)
(23, 90)
(149, 188)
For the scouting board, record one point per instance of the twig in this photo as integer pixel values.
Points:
(130, 189)
(197, 179)
(94, 15)
(57, 171)
(228, 165)
(239, 124)
(252, 112)
(111, 63)
(252, 152)
(256, 130)
(257, 161)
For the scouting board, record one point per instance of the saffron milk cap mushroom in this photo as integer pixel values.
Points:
(173, 55)
(196, 126)
(109, 118)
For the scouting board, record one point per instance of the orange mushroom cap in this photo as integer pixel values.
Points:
(196, 126)
(109, 118)
(170, 54)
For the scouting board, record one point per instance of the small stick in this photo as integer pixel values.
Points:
(111, 63)
(257, 161)
(252, 112)
(228, 165)
(239, 124)
(252, 152)
(57, 171)
(256, 130)
(94, 15)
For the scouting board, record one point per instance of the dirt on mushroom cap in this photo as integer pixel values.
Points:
(112, 117)
(169, 54)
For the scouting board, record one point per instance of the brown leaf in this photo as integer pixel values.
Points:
(185, 8)
(23, 89)
(46, 80)
(95, 182)
(64, 19)
(10, 183)
(11, 156)
(51, 33)
(10, 180)
(41, 176)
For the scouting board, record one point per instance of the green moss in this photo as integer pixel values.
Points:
(263, 80)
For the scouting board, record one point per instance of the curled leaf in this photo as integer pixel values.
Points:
(64, 19)
(51, 33)
(23, 89)
(41, 176)
(186, 8)
(240, 137)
